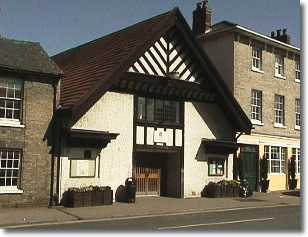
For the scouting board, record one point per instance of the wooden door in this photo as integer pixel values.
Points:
(249, 158)
(147, 180)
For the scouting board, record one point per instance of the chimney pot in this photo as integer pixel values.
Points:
(284, 31)
(273, 34)
(278, 33)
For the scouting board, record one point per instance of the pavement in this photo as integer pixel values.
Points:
(144, 206)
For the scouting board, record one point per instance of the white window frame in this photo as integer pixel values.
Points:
(256, 60)
(216, 163)
(15, 85)
(296, 154)
(279, 110)
(297, 114)
(279, 67)
(256, 103)
(16, 157)
(281, 158)
(297, 71)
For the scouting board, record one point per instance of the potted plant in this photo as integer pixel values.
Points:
(292, 180)
(264, 182)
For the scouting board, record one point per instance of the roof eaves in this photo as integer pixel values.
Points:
(266, 37)
(23, 71)
(232, 26)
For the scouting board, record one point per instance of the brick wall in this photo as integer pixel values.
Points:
(242, 79)
(36, 157)
(246, 79)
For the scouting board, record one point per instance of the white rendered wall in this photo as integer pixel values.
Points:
(202, 121)
(112, 113)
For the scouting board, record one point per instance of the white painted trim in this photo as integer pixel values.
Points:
(297, 127)
(11, 123)
(280, 76)
(276, 174)
(279, 125)
(10, 190)
(266, 37)
(297, 80)
(257, 122)
(255, 69)
(266, 143)
(215, 223)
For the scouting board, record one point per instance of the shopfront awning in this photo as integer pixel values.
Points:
(219, 146)
(89, 138)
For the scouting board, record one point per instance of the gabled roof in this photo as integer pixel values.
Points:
(91, 69)
(93, 63)
(26, 56)
(224, 26)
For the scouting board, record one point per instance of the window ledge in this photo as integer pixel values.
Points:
(8, 123)
(280, 76)
(257, 122)
(297, 80)
(255, 69)
(297, 127)
(276, 174)
(10, 190)
(279, 125)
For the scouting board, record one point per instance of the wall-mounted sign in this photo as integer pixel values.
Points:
(160, 136)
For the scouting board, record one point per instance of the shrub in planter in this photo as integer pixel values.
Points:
(235, 187)
(107, 196)
(73, 198)
(292, 180)
(210, 190)
(264, 182)
(97, 196)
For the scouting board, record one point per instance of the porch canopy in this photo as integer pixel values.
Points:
(89, 138)
(219, 146)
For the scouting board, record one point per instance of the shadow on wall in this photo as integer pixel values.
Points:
(215, 120)
(201, 155)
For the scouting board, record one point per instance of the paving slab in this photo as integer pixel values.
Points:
(142, 207)
(27, 215)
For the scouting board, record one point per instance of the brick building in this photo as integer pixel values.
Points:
(263, 73)
(28, 80)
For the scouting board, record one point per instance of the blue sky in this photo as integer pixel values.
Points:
(63, 24)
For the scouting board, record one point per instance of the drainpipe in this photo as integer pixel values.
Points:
(53, 134)
(59, 160)
(235, 157)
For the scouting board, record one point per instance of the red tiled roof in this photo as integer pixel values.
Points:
(94, 62)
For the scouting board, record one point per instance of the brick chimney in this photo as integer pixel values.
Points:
(202, 18)
(284, 37)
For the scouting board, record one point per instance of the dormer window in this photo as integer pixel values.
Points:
(10, 101)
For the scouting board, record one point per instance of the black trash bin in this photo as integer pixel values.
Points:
(130, 187)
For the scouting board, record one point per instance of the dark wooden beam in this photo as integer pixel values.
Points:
(143, 67)
(150, 64)
(156, 62)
